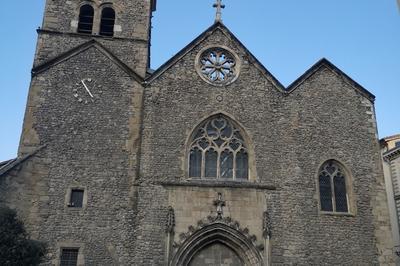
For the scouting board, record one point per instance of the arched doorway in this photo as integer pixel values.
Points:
(214, 243)
(216, 254)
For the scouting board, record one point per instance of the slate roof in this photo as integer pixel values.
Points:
(3, 164)
(7, 166)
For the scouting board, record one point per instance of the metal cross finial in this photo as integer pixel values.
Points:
(219, 6)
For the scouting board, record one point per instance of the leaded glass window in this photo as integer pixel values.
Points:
(325, 191)
(218, 66)
(332, 188)
(69, 257)
(76, 200)
(218, 151)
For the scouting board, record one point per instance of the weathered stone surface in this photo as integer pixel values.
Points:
(127, 147)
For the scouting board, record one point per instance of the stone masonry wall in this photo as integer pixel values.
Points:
(90, 145)
(193, 204)
(293, 135)
(131, 31)
(127, 143)
(134, 53)
(132, 16)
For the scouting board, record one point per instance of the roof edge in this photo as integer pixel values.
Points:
(217, 25)
(79, 49)
(170, 62)
(391, 154)
(325, 62)
(285, 90)
(17, 161)
(392, 137)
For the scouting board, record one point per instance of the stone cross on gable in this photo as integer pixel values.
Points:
(219, 6)
(220, 204)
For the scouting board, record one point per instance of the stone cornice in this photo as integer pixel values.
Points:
(392, 154)
(89, 36)
(217, 183)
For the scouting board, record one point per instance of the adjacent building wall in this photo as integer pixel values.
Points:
(390, 147)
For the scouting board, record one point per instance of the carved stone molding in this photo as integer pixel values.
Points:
(216, 229)
(267, 225)
(228, 221)
(170, 223)
(218, 65)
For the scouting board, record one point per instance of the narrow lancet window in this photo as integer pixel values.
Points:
(332, 188)
(242, 165)
(211, 163)
(325, 191)
(340, 193)
(195, 166)
(107, 22)
(86, 15)
(226, 164)
(218, 151)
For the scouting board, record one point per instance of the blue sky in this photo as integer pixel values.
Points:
(288, 36)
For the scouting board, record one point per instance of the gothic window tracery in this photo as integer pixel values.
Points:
(333, 188)
(218, 66)
(86, 15)
(218, 151)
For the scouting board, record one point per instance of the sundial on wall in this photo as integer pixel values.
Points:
(84, 91)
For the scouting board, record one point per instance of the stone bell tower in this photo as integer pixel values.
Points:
(123, 26)
(81, 129)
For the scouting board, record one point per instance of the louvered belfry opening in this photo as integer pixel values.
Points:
(107, 22)
(86, 16)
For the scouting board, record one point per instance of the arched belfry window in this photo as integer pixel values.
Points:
(107, 22)
(86, 14)
(218, 151)
(333, 187)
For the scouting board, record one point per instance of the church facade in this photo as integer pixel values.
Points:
(208, 160)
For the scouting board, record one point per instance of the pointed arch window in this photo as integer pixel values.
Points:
(86, 15)
(333, 188)
(218, 151)
(107, 22)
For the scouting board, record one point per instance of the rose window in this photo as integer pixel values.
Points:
(218, 66)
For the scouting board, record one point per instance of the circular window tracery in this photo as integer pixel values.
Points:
(218, 66)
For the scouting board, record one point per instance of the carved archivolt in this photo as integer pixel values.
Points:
(217, 229)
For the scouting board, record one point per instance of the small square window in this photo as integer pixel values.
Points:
(69, 257)
(76, 199)
(397, 144)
